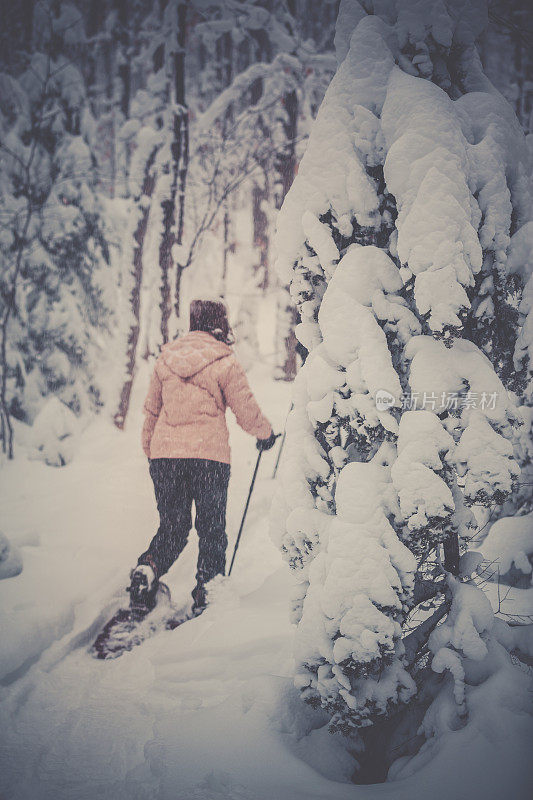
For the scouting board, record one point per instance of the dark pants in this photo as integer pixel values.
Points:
(177, 482)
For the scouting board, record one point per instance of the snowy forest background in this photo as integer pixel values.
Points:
(143, 142)
(145, 150)
(354, 178)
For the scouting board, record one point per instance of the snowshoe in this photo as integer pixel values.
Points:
(172, 624)
(130, 627)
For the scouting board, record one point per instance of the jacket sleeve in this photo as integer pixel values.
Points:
(240, 399)
(152, 407)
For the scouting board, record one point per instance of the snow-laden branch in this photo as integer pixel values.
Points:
(283, 67)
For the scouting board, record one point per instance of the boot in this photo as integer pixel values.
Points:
(143, 589)
(199, 598)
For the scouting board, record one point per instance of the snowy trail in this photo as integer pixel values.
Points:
(74, 727)
(82, 527)
(205, 712)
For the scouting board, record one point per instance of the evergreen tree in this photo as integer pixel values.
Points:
(56, 287)
(395, 238)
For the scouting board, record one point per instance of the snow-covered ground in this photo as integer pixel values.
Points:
(208, 711)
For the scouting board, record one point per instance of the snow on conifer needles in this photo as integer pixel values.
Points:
(396, 238)
(56, 283)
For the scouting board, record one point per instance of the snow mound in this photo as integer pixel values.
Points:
(55, 434)
(509, 543)
(10, 558)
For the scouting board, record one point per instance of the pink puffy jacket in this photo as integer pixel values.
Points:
(195, 378)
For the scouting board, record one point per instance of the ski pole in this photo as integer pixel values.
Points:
(276, 465)
(278, 459)
(245, 510)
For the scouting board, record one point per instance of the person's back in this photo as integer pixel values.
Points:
(186, 440)
(196, 377)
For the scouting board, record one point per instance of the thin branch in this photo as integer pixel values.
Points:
(417, 639)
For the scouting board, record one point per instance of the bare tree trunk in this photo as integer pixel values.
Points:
(287, 341)
(225, 249)
(94, 22)
(287, 313)
(27, 11)
(174, 205)
(172, 227)
(181, 142)
(247, 319)
(135, 296)
(226, 75)
(260, 232)
(451, 553)
(522, 61)
(124, 68)
(165, 257)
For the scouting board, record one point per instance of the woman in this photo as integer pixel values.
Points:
(187, 443)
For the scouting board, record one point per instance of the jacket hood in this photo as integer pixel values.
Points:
(190, 354)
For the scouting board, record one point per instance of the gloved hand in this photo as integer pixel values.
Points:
(266, 444)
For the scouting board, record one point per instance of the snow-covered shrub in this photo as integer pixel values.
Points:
(54, 434)
(55, 285)
(396, 240)
(508, 548)
(10, 558)
(481, 688)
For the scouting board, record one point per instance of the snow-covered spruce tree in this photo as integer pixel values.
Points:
(520, 261)
(56, 289)
(395, 238)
